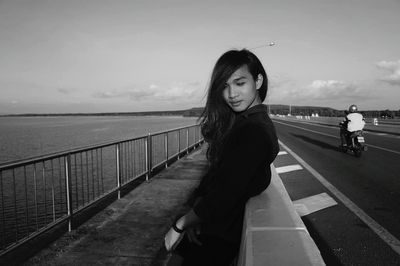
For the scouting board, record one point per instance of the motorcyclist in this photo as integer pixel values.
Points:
(353, 121)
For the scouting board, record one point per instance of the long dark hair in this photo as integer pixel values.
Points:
(217, 117)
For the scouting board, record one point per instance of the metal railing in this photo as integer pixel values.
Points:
(39, 193)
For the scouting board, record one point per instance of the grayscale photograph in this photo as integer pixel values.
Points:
(199, 133)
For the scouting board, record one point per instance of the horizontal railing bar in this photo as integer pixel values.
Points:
(173, 156)
(135, 177)
(194, 145)
(18, 163)
(158, 165)
(171, 130)
(50, 156)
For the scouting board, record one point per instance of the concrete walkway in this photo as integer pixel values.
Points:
(131, 230)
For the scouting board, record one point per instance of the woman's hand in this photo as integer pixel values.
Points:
(172, 239)
(182, 225)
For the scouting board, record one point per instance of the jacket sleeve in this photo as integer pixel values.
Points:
(237, 168)
(199, 190)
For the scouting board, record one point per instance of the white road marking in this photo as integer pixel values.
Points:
(381, 134)
(337, 137)
(282, 152)
(314, 203)
(288, 168)
(385, 235)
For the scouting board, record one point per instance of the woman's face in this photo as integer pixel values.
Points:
(241, 90)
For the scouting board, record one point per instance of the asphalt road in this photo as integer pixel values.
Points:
(363, 228)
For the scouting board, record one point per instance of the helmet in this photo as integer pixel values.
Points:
(353, 108)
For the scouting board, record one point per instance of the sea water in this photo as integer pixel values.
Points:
(26, 137)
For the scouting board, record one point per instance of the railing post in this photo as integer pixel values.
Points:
(199, 134)
(166, 149)
(187, 141)
(68, 188)
(179, 143)
(118, 153)
(195, 135)
(201, 139)
(148, 157)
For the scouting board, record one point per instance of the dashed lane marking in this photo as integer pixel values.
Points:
(282, 152)
(288, 168)
(314, 203)
(385, 235)
(329, 135)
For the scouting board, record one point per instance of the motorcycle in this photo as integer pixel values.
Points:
(355, 143)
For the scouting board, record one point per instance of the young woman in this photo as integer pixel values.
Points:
(242, 144)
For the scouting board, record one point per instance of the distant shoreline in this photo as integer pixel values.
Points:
(185, 113)
(197, 112)
(92, 114)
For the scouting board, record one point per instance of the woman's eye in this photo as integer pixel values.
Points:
(240, 83)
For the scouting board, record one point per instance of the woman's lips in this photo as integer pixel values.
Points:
(236, 103)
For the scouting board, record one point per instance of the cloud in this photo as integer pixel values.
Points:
(277, 81)
(318, 91)
(128, 93)
(332, 89)
(179, 92)
(65, 90)
(176, 92)
(394, 68)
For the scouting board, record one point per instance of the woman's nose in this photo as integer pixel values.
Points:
(232, 93)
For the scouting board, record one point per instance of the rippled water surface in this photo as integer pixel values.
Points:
(25, 137)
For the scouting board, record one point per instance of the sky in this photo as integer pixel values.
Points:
(73, 56)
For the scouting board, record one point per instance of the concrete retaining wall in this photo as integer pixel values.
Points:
(273, 233)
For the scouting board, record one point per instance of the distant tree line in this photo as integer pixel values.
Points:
(327, 111)
(304, 110)
(194, 112)
(309, 110)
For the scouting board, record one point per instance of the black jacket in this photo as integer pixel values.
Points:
(243, 171)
